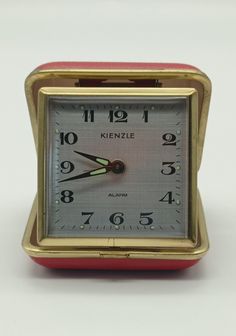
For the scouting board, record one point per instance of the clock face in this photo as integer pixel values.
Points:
(117, 167)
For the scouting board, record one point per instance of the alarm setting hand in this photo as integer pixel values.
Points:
(101, 161)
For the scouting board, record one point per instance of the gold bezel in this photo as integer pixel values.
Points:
(138, 243)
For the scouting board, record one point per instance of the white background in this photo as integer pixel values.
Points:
(198, 301)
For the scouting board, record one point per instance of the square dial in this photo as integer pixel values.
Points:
(117, 166)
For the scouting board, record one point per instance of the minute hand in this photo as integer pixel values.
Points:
(95, 172)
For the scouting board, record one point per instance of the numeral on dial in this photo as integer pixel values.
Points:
(118, 116)
(145, 116)
(88, 115)
(145, 218)
(170, 169)
(89, 214)
(169, 139)
(67, 167)
(117, 218)
(167, 198)
(67, 196)
(69, 138)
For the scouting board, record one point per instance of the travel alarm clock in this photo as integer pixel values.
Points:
(119, 146)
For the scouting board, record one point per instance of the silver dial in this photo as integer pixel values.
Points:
(117, 167)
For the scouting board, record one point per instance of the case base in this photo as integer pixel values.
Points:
(77, 258)
(114, 264)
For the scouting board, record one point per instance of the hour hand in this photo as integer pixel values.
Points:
(101, 161)
(95, 172)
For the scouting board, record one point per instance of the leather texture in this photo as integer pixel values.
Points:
(114, 264)
(115, 65)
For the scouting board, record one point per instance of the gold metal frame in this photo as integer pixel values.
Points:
(45, 94)
(37, 80)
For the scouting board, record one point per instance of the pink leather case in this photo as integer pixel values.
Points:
(108, 263)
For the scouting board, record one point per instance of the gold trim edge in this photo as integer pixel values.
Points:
(147, 243)
(34, 250)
